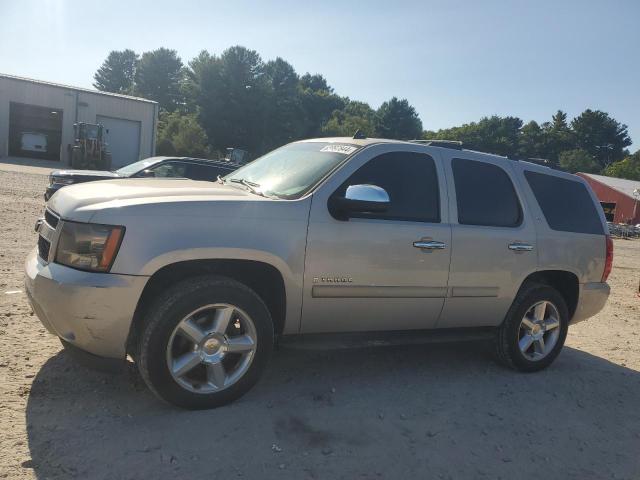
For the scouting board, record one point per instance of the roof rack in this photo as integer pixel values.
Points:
(454, 144)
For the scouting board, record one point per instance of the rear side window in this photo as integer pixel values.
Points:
(485, 195)
(566, 204)
(410, 179)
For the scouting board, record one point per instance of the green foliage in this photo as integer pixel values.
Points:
(353, 117)
(595, 130)
(578, 161)
(159, 77)
(232, 94)
(285, 110)
(181, 135)
(494, 134)
(558, 137)
(117, 72)
(628, 168)
(318, 103)
(236, 100)
(398, 119)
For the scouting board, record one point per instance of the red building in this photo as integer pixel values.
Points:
(619, 198)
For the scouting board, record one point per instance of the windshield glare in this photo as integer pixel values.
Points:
(291, 171)
(137, 166)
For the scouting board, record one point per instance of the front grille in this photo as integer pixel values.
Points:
(43, 248)
(51, 219)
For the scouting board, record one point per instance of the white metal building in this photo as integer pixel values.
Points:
(37, 117)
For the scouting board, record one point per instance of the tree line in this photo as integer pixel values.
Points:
(236, 99)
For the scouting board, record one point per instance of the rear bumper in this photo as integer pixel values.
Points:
(591, 300)
(91, 311)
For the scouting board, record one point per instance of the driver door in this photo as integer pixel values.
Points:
(365, 273)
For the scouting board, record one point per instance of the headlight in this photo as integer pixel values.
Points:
(88, 246)
(61, 180)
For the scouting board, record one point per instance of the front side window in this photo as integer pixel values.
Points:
(411, 181)
(209, 173)
(170, 170)
(137, 167)
(293, 170)
(485, 195)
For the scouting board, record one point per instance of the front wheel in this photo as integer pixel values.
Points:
(534, 330)
(206, 342)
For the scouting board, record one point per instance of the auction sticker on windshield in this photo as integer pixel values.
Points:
(344, 149)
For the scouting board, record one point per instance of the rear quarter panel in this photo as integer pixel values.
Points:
(579, 253)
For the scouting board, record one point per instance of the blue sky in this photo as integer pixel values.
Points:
(455, 61)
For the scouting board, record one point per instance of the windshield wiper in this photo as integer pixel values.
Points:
(253, 187)
(246, 183)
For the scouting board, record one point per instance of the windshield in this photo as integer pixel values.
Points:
(128, 170)
(292, 170)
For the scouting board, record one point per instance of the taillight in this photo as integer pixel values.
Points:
(608, 263)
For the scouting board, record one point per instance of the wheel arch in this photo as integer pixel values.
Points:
(563, 281)
(263, 278)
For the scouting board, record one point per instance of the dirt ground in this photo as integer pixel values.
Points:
(435, 411)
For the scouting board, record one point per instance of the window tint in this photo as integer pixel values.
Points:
(196, 171)
(566, 204)
(485, 195)
(411, 181)
(169, 169)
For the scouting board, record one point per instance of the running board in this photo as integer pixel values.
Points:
(338, 341)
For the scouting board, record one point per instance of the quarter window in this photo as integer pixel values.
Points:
(485, 195)
(410, 179)
(566, 204)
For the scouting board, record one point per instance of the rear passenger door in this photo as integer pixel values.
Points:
(493, 240)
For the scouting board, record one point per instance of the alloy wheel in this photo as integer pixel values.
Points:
(539, 330)
(211, 348)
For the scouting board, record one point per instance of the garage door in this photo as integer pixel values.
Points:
(34, 131)
(123, 138)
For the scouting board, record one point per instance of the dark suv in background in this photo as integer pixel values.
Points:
(161, 167)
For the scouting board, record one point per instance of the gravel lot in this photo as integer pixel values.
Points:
(435, 411)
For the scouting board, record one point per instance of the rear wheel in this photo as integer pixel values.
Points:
(205, 343)
(534, 330)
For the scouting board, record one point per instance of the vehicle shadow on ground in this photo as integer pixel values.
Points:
(438, 411)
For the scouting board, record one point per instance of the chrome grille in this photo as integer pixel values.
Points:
(43, 248)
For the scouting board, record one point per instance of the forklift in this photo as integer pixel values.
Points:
(89, 150)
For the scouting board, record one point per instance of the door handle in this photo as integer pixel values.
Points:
(429, 245)
(520, 247)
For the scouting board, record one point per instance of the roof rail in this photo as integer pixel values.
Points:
(454, 144)
(544, 162)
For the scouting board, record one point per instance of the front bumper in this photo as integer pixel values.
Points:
(92, 311)
(591, 300)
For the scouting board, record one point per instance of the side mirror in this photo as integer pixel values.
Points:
(146, 174)
(359, 199)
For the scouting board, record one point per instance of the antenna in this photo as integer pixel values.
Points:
(359, 135)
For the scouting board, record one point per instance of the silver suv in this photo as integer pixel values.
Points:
(195, 281)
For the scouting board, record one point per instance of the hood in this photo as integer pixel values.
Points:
(85, 173)
(80, 202)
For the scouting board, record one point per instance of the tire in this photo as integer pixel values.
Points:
(514, 333)
(168, 337)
